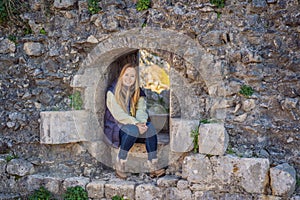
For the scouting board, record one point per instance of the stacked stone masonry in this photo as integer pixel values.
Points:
(212, 52)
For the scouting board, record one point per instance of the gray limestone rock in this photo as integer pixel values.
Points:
(19, 167)
(148, 192)
(61, 4)
(95, 189)
(213, 139)
(226, 173)
(7, 46)
(121, 188)
(33, 48)
(283, 180)
(180, 140)
(75, 181)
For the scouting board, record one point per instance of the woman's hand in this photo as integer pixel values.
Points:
(142, 127)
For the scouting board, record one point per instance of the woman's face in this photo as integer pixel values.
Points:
(128, 78)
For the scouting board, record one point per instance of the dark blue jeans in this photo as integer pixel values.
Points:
(130, 133)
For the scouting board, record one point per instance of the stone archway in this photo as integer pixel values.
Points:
(92, 80)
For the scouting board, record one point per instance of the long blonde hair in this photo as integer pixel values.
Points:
(121, 100)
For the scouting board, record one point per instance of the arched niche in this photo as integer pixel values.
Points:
(94, 76)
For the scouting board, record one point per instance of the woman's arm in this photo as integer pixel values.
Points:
(141, 111)
(117, 112)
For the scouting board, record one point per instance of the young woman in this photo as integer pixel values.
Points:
(126, 120)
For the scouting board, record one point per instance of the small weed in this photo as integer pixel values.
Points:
(117, 197)
(43, 32)
(230, 150)
(3, 12)
(11, 9)
(27, 31)
(74, 193)
(218, 3)
(93, 6)
(76, 101)
(246, 90)
(144, 25)
(143, 5)
(10, 157)
(298, 182)
(41, 194)
(207, 121)
(195, 135)
(12, 38)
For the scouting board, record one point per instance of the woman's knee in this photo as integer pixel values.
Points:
(131, 130)
(151, 130)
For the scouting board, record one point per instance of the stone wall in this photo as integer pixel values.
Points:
(253, 43)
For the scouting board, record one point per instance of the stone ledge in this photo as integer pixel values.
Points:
(59, 127)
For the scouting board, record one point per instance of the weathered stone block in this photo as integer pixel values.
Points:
(121, 188)
(167, 181)
(197, 169)
(175, 193)
(7, 46)
(33, 48)
(226, 173)
(204, 195)
(148, 192)
(181, 140)
(250, 174)
(58, 127)
(95, 189)
(52, 184)
(75, 181)
(64, 3)
(19, 167)
(213, 139)
(283, 180)
(182, 184)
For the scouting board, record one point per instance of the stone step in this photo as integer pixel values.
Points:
(137, 156)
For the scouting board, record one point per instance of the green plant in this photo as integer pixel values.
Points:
(10, 157)
(218, 3)
(27, 30)
(93, 6)
(117, 197)
(11, 9)
(246, 90)
(298, 182)
(143, 5)
(75, 193)
(76, 101)
(41, 194)
(3, 12)
(195, 135)
(229, 150)
(144, 25)
(12, 38)
(42, 31)
(208, 121)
